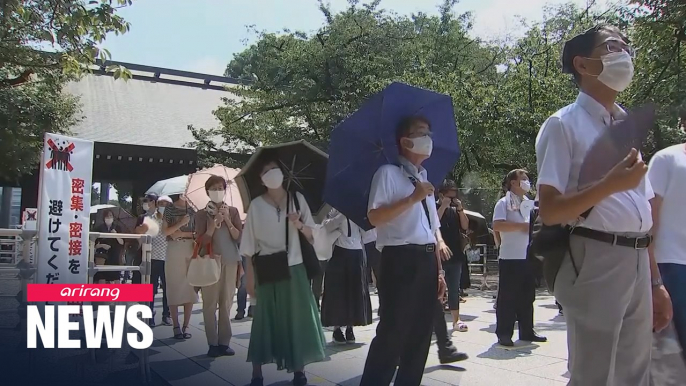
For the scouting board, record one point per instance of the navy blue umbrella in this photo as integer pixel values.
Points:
(366, 140)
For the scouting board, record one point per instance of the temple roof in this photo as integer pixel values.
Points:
(154, 108)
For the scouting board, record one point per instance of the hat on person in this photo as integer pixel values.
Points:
(165, 199)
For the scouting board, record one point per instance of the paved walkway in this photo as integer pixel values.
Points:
(184, 363)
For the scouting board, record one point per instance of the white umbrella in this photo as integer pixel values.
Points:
(170, 186)
(96, 208)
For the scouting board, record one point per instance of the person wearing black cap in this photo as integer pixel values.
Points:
(607, 279)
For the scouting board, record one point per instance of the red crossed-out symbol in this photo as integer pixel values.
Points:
(31, 216)
(59, 157)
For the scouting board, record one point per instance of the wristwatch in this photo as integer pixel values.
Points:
(656, 282)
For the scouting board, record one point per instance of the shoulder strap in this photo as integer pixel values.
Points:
(424, 204)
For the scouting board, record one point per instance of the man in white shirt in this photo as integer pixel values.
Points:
(516, 281)
(408, 236)
(667, 174)
(606, 281)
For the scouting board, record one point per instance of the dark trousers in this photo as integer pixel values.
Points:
(373, 260)
(158, 277)
(516, 295)
(674, 276)
(318, 283)
(408, 289)
(441, 328)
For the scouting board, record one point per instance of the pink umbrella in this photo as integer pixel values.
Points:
(195, 189)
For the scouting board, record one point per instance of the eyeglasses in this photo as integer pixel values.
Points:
(613, 45)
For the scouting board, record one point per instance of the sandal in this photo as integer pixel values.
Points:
(460, 327)
(185, 334)
(177, 333)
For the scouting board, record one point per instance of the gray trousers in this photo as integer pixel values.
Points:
(608, 309)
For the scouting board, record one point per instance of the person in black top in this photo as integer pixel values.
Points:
(111, 249)
(454, 224)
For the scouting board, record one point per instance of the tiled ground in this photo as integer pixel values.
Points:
(185, 363)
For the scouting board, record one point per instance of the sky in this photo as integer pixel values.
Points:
(203, 35)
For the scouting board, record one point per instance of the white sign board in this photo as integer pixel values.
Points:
(64, 210)
(29, 219)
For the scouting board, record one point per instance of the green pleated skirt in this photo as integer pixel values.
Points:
(286, 328)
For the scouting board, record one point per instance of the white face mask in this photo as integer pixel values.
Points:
(216, 196)
(422, 145)
(109, 221)
(273, 179)
(145, 206)
(618, 70)
(161, 209)
(525, 185)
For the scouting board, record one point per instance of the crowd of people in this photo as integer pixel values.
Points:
(620, 281)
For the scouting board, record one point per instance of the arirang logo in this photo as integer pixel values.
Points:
(111, 324)
(107, 321)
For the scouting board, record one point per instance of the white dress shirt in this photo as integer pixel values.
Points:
(391, 183)
(561, 147)
(369, 236)
(351, 234)
(667, 174)
(513, 245)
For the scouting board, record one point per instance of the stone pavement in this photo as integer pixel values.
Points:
(185, 363)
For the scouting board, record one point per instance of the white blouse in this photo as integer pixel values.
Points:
(264, 231)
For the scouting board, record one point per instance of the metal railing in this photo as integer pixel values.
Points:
(24, 270)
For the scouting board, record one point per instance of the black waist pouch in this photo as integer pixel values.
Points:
(550, 244)
(271, 268)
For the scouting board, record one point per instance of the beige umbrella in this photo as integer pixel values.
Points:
(195, 189)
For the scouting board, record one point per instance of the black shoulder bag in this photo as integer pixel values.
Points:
(272, 268)
(550, 243)
(309, 255)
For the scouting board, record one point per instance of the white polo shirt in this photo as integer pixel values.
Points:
(561, 147)
(391, 183)
(667, 174)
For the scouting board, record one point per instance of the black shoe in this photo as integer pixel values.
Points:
(534, 338)
(250, 312)
(214, 352)
(507, 342)
(451, 356)
(226, 351)
(240, 316)
(299, 379)
(338, 337)
(257, 382)
(349, 335)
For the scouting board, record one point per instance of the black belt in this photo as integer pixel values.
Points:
(630, 242)
(419, 247)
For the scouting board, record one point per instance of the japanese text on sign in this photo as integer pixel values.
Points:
(64, 213)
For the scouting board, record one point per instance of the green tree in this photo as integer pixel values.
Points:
(44, 44)
(303, 85)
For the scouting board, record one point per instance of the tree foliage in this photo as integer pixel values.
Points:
(43, 45)
(304, 84)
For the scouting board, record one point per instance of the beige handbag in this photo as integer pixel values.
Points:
(204, 268)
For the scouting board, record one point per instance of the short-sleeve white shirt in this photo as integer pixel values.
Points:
(264, 231)
(561, 147)
(391, 183)
(667, 174)
(513, 245)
